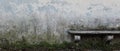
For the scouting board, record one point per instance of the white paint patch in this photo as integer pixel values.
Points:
(77, 37)
(110, 37)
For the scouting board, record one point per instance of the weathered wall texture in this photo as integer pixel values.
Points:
(35, 17)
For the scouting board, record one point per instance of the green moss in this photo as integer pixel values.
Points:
(85, 44)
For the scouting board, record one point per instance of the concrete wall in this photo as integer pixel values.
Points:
(35, 17)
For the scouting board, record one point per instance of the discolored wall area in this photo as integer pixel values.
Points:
(43, 19)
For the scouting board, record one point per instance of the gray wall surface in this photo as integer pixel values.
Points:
(30, 18)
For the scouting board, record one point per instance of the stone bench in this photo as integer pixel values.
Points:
(104, 35)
